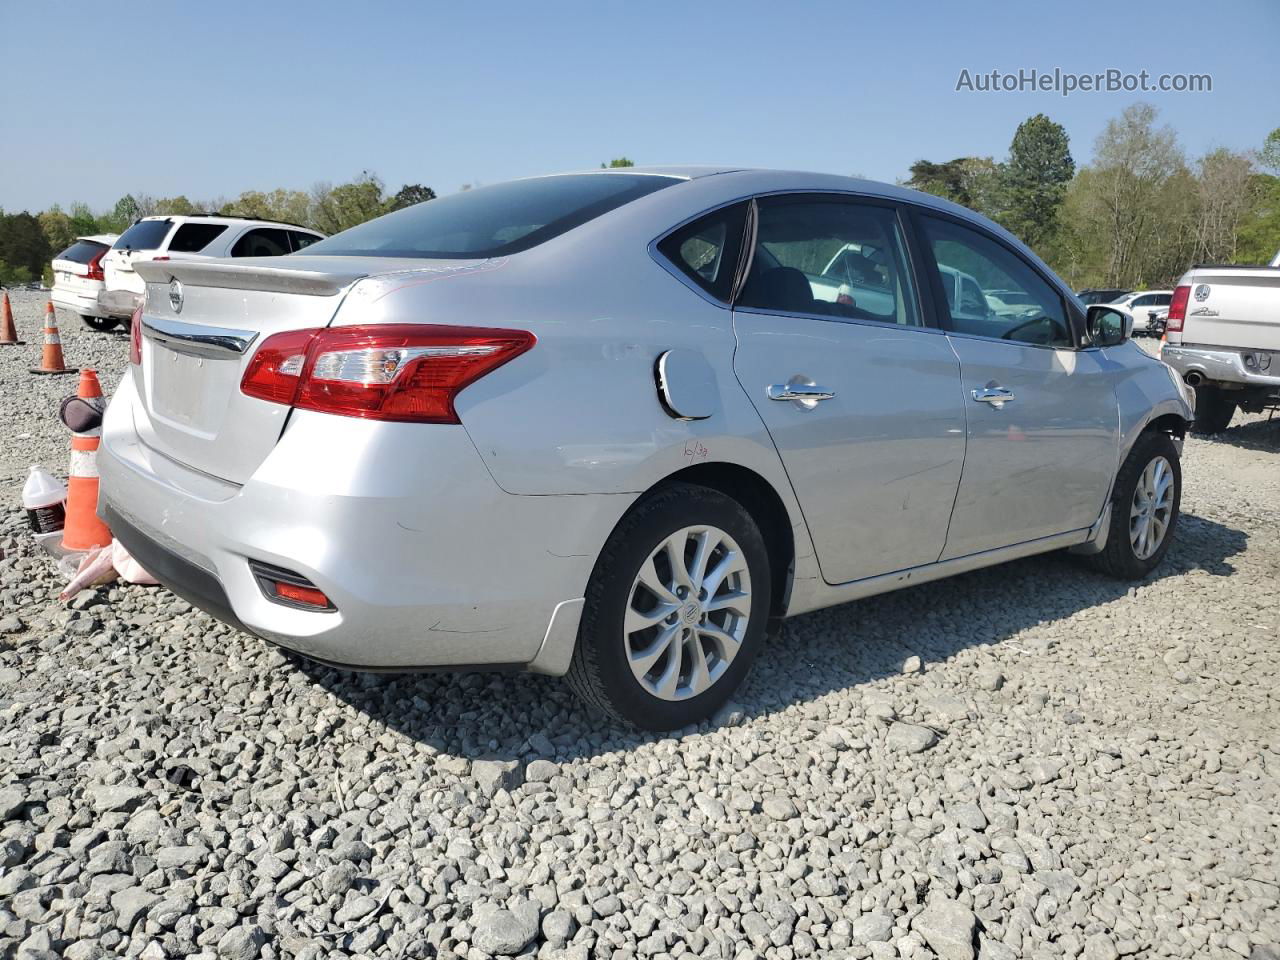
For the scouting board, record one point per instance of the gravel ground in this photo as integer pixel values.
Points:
(1030, 761)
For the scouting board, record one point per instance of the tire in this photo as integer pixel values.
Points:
(1214, 410)
(101, 324)
(623, 619)
(1123, 557)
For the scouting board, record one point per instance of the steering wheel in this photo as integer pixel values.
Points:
(1011, 333)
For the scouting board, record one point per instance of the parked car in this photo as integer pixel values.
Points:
(1142, 305)
(599, 425)
(188, 238)
(78, 279)
(1223, 337)
(1090, 295)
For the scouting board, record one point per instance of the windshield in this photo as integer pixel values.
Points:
(491, 221)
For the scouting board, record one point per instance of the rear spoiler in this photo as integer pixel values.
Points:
(247, 276)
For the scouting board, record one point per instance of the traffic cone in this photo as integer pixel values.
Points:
(84, 530)
(51, 358)
(8, 332)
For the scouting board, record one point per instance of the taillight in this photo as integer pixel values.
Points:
(276, 369)
(402, 372)
(94, 271)
(135, 336)
(1177, 310)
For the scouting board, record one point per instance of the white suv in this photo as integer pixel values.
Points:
(189, 238)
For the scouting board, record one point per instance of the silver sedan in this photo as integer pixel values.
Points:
(618, 425)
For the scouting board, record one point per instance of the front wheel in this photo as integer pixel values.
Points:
(101, 324)
(676, 610)
(1144, 509)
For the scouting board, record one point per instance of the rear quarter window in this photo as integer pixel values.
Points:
(144, 235)
(194, 237)
(262, 242)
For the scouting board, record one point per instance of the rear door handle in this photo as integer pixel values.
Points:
(798, 391)
(997, 396)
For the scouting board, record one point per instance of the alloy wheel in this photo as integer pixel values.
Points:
(687, 612)
(1151, 508)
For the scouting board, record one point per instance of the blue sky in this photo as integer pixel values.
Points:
(97, 100)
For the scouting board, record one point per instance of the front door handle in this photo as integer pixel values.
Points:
(995, 395)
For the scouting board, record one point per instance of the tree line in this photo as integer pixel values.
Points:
(1135, 217)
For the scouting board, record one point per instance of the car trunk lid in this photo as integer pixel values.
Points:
(200, 326)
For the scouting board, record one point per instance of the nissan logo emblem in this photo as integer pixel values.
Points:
(175, 295)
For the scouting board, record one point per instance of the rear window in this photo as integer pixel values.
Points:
(82, 251)
(194, 237)
(492, 221)
(144, 235)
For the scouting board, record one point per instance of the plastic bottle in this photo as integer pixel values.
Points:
(44, 499)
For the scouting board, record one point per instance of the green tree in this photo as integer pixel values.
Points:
(122, 215)
(83, 222)
(334, 209)
(57, 228)
(408, 195)
(287, 206)
(972, 182)
(23, 244)
(1269, 155)
(1034, 180)
(178, 206)
(1258, 238)
(617, 162)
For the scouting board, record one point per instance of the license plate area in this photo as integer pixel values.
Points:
(190, 392)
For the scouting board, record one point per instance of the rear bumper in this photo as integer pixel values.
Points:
(118, 303)
(1223, 365)
(84, 304)
(428, 562)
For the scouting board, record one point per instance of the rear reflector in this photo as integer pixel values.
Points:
(1177, 310)
(288, 588)
(403, 372)
(307, 596)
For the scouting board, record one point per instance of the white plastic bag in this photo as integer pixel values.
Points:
(94, 568)
(129, 569)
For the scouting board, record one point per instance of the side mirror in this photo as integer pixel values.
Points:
(1107, 326)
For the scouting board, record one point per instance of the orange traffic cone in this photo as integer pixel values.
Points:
(84, 530)
(8, 332)
(51, 358)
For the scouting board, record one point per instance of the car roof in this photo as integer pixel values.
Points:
(107, 239)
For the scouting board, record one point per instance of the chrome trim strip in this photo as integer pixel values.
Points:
(196, 339)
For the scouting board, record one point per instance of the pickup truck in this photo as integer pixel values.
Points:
(1223, 338)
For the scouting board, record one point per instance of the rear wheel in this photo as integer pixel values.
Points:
(1144, 509)
(1214, 410)
(676, 610)
(101, 324)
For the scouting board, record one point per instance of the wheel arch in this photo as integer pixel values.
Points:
(767, 509)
